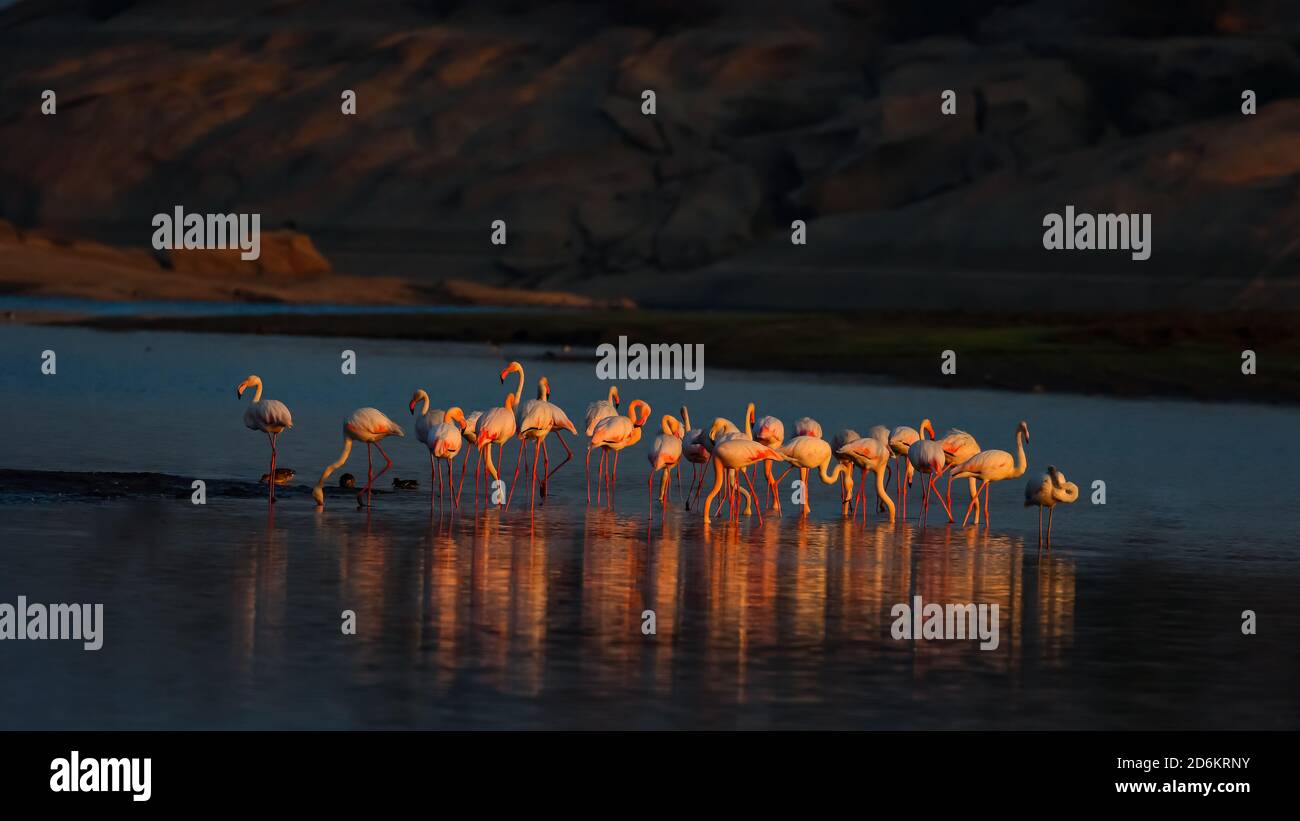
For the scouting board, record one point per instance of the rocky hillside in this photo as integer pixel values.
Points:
(767, 112)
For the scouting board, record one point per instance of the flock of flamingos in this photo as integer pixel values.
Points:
(731, 451)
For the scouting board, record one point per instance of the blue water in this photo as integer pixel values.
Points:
(224, 615)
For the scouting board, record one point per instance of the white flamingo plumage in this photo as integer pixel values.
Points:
(270, 416)
(366, 425)
(927, 458)
(770, 431)
(900, 440)
(807, 426)
(994, 466)
(428, 419)
(958, 446)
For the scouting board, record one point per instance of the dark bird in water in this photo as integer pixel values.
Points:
(282, 476)
(347, 481)
(406, 484)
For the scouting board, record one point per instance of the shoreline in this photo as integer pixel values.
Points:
(1184, 356)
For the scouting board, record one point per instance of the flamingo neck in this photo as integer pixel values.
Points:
(884, 494)
(424, 404)
(343, 457)
(1022, 464)
(257, 393)
(519, 391)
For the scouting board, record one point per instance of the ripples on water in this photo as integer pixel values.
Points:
(220, 616)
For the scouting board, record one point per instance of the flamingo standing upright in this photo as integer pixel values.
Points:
(871, 454)
(994, 466)
(426, 421)
(364, 425)
(958, 446)
(540, 417)
(665, 454)
(1045, 492)
(495, 427)
(596, 411)
(444, 442)
(731, 455)
(902, 438)
(614, 433)
(807, 452)
(270, 416)
(926, 456)
(721, 429)
(770, 431)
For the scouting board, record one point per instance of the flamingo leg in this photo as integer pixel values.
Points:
(972, 505)
(803, 482)
(1040, 527)
(1050, 513)
(271, 489)
(939, 496)
(546, 467)
(754, 493)
(370, 477)
(519, 462)
(532, 484)
(568, 454)
(587, 471)
(988, 489)
(613, 481)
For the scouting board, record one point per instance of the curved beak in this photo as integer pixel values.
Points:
(413, 407)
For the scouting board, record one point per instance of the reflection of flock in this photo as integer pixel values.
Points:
(731, 452)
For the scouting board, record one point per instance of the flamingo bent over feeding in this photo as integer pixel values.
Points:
(364, 425)
(665, 454)
(807, 452)
(614, 433)
(730, 457)
(271, 416)
(871, 453)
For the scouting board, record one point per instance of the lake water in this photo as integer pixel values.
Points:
(224, 615)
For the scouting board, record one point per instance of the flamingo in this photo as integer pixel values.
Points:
(444, 442)
(665, 454)
(770, 431)
(902, 438)
(428, 419)
(871, 454)
(364, 425)
(1045, 492)
(958, 446)
(926, 456)
(270, 416)
(721, 429)
(695, 453)
(807, 452)
(732, 455)
(596, 411)
(613, 433)
(541, 417)
(994, 466)
(495, 427)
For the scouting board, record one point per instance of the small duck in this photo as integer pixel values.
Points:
(406, 484)
(282, 476)
(347, 481)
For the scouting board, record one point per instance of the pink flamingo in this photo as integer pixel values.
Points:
(806, 453)
(364, 425)
(540, 417)
(926, 456)
(871, 454)
(958, 446)
(902, 438)
(994, 466)
(444, 442)
(665, 454)
(270, 416)
(614, 433)
(695, 453)
(596, 411)
(730, 457)
(770, 431)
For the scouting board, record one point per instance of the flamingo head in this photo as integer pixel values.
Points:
(417, 397)
(513, 367)
(251, 381)
(926, 425)
(543, 389)
(671, 426)
(638, 412)
(456, 416)
(613, 395)
(1023, 427)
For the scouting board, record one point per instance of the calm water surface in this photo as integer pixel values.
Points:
(225, 616)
